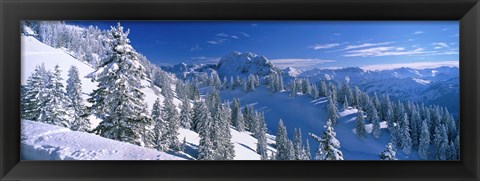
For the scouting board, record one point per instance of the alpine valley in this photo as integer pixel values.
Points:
(87, 94)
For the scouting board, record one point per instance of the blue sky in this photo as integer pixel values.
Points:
(300, 44)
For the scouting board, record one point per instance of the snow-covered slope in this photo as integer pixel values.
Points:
(310, 115)
(35, 53)
(40, 141)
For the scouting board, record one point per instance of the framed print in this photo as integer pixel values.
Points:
(247, 90)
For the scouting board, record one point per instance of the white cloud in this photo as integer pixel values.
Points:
(337, 34)
(233, 36)
(300, 63)
(217, 41)
(364, 45)
(205, 60)
(222, 35)
(385, 51)
(415, 65)
(440, 45)
(195, 48)
(245, 34)
(325, 46)
(418, 32)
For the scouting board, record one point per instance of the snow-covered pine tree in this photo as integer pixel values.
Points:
(451, 151)
(416, 125)
(329, 146)
(308, 155)
(237, 116)
(36, 85)
(323, 89)
(306, 89)
(375, 124)
(377, 104)
(282, 142)
(456, 143)
(291, 151)
(345, 103)
(293, 91)
(118, 100)
(186, 113)
(441, 142)
(74, 93)
(56, 110)
(262, 140)
(160, 126)
(424, 141)
(220, 134)
(315, 92)
(298, 144)
(360, 130)
(171, 118)
(332, 110)
(206, 148)
(406, 140)
(333, 92)
(389, 153)
(357, 97)
(200, 114)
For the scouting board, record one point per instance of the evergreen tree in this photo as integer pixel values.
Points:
(262, 140)
(389, 153)
(345, 103)
(298, 144)
(329, 146)
(118, 100)
(293, 92)
(376, 124)
(35, 88)
(323, 89)
(55, 110)
(441, 142)
(415, 124)
(424, 141)
(206, 148)
(307, 151)
(406, 140)
(332, 110)
(185, 114)
(171, 118)
(237, 116)
(160, 126)
(74, 93)
(282, 142)
(200, 115)
(220, 134)
(360, 130)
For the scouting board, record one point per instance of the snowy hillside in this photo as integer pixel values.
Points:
(35, 53)
(40, 141)
(310, 115)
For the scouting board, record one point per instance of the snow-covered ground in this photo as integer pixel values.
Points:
(41, 141)
(51, 142)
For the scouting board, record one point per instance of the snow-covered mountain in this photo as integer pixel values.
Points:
(242, 64)
(233, 64)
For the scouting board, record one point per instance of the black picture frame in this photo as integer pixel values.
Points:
(13, 11)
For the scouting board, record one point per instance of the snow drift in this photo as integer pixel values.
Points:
(40, 141)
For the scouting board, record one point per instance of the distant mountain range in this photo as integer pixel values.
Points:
(430, 86)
